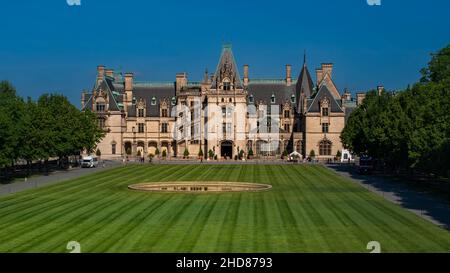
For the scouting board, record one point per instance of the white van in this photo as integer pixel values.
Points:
(89, 162)
(347, 157)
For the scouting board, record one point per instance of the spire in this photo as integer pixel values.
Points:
(227, 69)
(304, 85)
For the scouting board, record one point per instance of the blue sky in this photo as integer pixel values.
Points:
(49, 46)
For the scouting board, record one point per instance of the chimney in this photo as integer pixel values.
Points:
(181, 81)
(380, 89)
(288, 75)
(109, 73)
(100, 73)
(347, 95)
(327, 68)
(129, 88)
(319, 76)
(83, 99)
(360, 98)
(246, 75)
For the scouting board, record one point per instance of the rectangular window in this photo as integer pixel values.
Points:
(141, 127)
(101, 107)
(287, 113)
(287, 128)
(113, 149)
(141, 113)
(101, 123)
(226, 86)
(325, 128)
(325, 112)
(224, 111)
(164, 128)
(164, 113)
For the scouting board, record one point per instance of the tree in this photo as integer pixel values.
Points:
(200, 153)
(98, 153)
(211, 154)
(339, 154)
(128, 151)
(250, 152)
(164, 153)
(438, 68)
(312, 154)
(157, 152)
(186, 153)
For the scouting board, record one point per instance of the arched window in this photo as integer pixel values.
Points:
(325, 147)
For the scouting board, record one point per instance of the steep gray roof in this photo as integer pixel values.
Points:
(227, 63)
(263, 91)
(313, 103)
(147, 93)
(304, 86)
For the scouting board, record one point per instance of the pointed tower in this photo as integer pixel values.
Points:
(304, 86)
(226, 76)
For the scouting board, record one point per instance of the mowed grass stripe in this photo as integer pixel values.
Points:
(309, 209)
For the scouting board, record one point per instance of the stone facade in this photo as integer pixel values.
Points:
(223, 113)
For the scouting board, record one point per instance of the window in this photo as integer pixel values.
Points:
(293, 99)
(164, 128)
(272, 99)
(141, 113)
(224, 111)
(164, 113)
(101, 123)
(174, 101)
(325, 147)
(287, 113)
(226, 86)
(153, 101)
(230, 100)
(287, 128)
(325, 128)
(141, 127)
(251, 99)
(113, 148)
(192, 104)
(101, 107)
(325, 112)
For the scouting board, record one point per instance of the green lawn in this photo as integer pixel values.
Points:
(309, 209)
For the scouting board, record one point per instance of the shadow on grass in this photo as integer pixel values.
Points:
(427, 200)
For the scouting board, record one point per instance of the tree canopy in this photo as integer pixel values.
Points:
(46, 128)
(409, 129)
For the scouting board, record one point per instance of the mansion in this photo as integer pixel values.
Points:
(224, 113)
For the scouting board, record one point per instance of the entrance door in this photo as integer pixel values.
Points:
(226, 149)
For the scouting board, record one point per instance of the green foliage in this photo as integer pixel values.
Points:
(409, 130)
(164, 153)
(128, 151)
(139, 153)
(211, 154)
(312, 154)
(98, 153)
(157, 152)
(48, 127)
(186, 153)
(200, 153)
(339, 154)
(250, 152)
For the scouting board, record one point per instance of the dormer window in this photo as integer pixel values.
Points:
(101, 107)
(174, 101)
(251, 99)
(153, 101)
(226, 85)
(141, 113)
(325, 112)
(272, 99)
(293, 99)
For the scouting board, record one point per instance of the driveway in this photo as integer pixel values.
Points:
(53, 178)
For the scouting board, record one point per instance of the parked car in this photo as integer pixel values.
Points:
(365, 165)
(89, 162)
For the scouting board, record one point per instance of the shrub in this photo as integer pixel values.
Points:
(312, 154)
(164, 153)
(186, 153)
